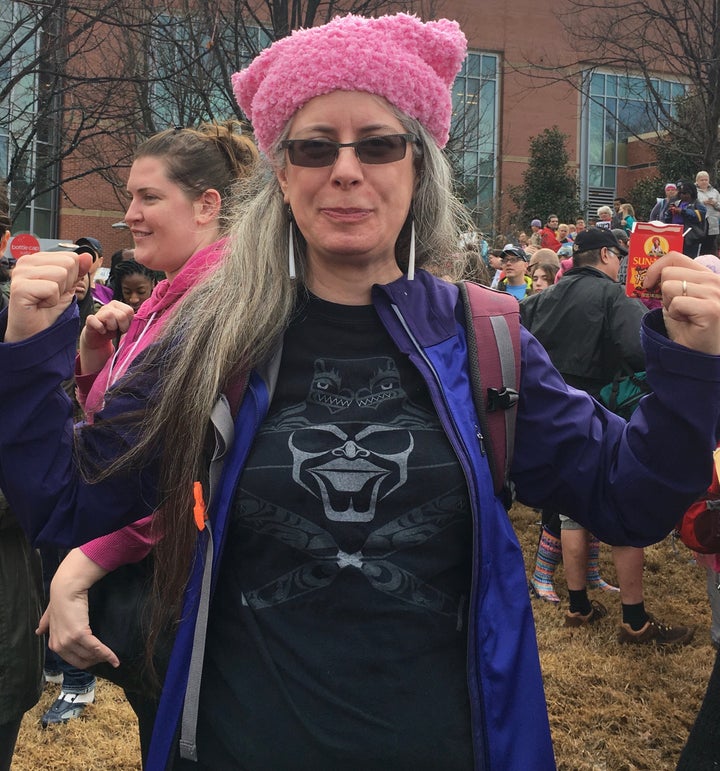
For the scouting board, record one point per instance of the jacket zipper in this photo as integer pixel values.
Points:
(438, 398)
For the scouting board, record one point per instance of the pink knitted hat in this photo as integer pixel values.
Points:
(410, 63)
(709, 261)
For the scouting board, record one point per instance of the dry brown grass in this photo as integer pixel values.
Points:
(612, 708)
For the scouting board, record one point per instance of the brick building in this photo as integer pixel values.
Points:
(502, 98)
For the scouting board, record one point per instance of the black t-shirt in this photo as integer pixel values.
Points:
(337, 634)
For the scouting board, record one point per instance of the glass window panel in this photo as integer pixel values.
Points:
(5, 32)
(596, 133)
(486, 167)
(597, 84)
(21, 222)
(44, 179)
(263, 38)
(470, 162)
(486, 143)
(42, 223)
(623, 88)
(471, 66)
(475, 126)
(638, 88)
(487, 97)
(458, 101)
(470, 194)
(471, 134)
(625, 107)
(677, 90)
(4, 157)
(609, 139)
(26, 122)
(489, 67)
(472, 90)
(595, 150)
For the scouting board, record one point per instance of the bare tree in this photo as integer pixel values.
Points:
(86, 81)
(649, 41)
(37, 46)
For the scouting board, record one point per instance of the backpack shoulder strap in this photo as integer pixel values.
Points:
(492, 321)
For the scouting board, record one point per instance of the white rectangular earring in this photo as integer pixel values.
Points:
(291, 250)
(411, 255)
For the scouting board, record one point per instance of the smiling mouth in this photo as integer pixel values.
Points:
(346, 214)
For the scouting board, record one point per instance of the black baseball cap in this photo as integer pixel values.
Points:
(516, 250)
(596, 238)
(89, 245)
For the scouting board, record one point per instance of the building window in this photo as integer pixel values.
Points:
(26, 142)
(18, 110)
(185, 89)
(616, 107)
(473, 136)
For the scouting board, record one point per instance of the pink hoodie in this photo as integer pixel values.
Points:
(134, 542)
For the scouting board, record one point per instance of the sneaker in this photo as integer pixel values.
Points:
(66, 707)
(575, 618)
(655, 632)
(52, 676)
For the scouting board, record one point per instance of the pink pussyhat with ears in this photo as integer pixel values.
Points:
(412, 64)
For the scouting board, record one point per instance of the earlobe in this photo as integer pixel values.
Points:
(282, 181)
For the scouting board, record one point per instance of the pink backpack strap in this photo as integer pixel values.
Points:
(492, 322)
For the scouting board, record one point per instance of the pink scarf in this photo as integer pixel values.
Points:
(147, 326)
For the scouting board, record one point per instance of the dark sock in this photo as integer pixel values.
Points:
(635, 616)
(579, 602)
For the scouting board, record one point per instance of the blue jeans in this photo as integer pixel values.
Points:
(74, 680)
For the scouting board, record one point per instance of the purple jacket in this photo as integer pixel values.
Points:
(626, 483)
(133, 542)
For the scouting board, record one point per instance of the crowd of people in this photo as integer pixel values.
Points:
(694, 205)
(285, 425)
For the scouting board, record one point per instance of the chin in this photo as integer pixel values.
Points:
(143, 257)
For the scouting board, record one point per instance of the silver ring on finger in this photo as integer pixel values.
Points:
(684, 288)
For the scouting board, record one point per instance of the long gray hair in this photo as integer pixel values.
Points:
(232, 322)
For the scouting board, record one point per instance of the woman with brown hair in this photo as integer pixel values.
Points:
(180, 183)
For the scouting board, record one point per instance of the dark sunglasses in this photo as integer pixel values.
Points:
(315, 153)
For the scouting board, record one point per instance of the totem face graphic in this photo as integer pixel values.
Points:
(350, 473)
(347, 464)
(340, 385)
(351, 444)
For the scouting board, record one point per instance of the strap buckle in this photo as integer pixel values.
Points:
(501, 398)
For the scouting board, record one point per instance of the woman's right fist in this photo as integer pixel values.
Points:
(42, 287)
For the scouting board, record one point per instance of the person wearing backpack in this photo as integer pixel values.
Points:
(588, 305)
(352, 594)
